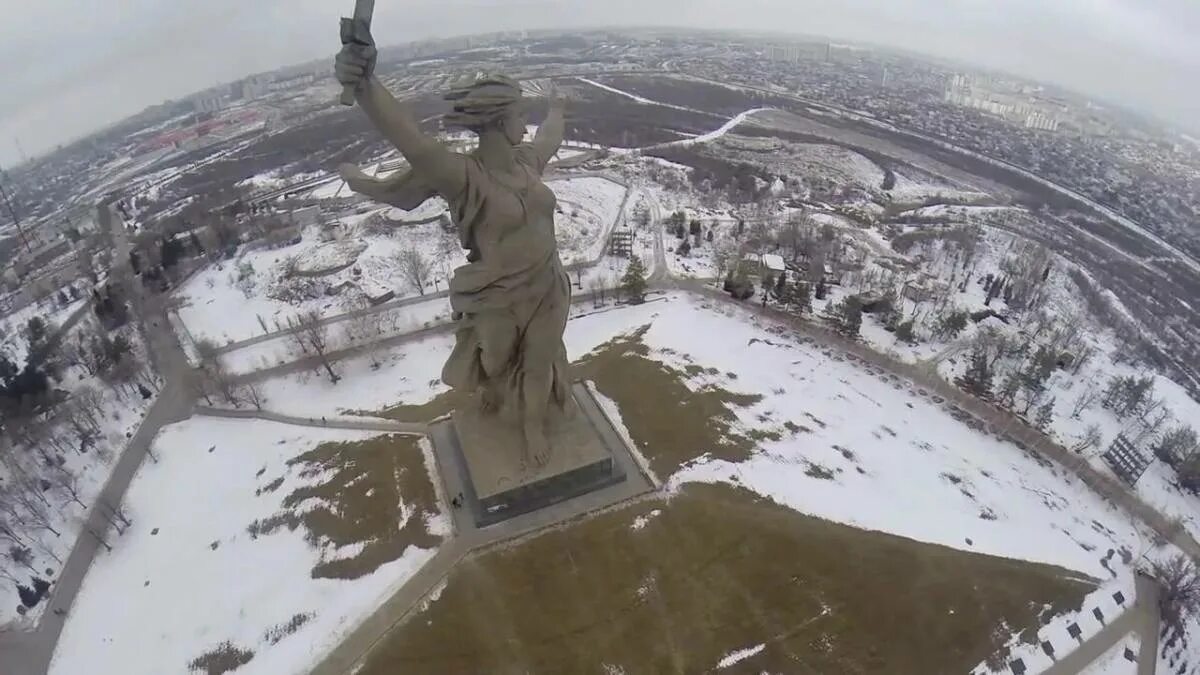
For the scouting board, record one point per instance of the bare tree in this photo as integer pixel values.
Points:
(365, 328)
(216, 373)
(1091, 439)
(1086, 399)
(1179, 591)
(415, 269)
(200, 387)
(68, 482)
(253, 393)
(312, 334)
(23, 503)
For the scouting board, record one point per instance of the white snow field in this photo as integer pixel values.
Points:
(1113, 661)
(188, 577)
(219, 307)
(871, 452)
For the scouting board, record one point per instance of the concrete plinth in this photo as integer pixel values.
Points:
(499, 485)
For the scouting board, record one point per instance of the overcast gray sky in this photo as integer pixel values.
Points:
(72, 66)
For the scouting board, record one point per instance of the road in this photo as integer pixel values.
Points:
(29, 653)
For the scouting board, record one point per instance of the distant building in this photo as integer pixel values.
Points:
(794, 53)
(208, 103)
(772, 267)
(252, 87)
(1002, 99)
(1041, 121)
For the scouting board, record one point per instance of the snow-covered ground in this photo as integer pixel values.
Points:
(188, 576)
(409, 373)
(119, 413)
(14, 342)
(219, 307)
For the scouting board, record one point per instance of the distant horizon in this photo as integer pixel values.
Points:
(1146, 115)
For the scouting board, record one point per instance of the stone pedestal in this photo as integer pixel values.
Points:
(500, 486)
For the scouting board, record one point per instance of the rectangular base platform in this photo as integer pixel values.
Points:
(499, 485)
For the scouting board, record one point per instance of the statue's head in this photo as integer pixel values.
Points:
(489, 103)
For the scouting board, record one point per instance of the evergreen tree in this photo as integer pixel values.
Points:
(802, 297)
(1009, 389)
(846, 316)
(633, 284)
(952, 325)
(1189, 473)
(992, 292)
(906, 331)
(977, 381)
(1045, 415)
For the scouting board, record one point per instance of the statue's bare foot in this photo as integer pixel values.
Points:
(537, 449)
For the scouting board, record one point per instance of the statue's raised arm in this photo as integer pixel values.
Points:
(549, 136)
(442, 169)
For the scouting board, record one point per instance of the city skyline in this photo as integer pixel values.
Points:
(126, 57)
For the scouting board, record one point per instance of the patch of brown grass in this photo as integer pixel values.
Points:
(355, 498)
(721, 569)
(671, 423)
(697, 420)
(276, 633)
(224, 658)
(439, 406)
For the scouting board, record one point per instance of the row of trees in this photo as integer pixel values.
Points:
(52, 437)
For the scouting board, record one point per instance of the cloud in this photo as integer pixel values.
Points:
(72, 66)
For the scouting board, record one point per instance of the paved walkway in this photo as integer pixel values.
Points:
(1142, 618)
(29, 652)
(338, 422)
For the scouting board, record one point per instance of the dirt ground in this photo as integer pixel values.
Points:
(717, 570)
(355, 497)
(676, 586)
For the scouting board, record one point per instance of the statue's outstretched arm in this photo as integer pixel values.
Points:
(444, 170)
(550, 134)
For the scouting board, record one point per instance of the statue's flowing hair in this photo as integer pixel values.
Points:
(482, 101)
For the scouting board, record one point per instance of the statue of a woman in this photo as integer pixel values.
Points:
(512, 296)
